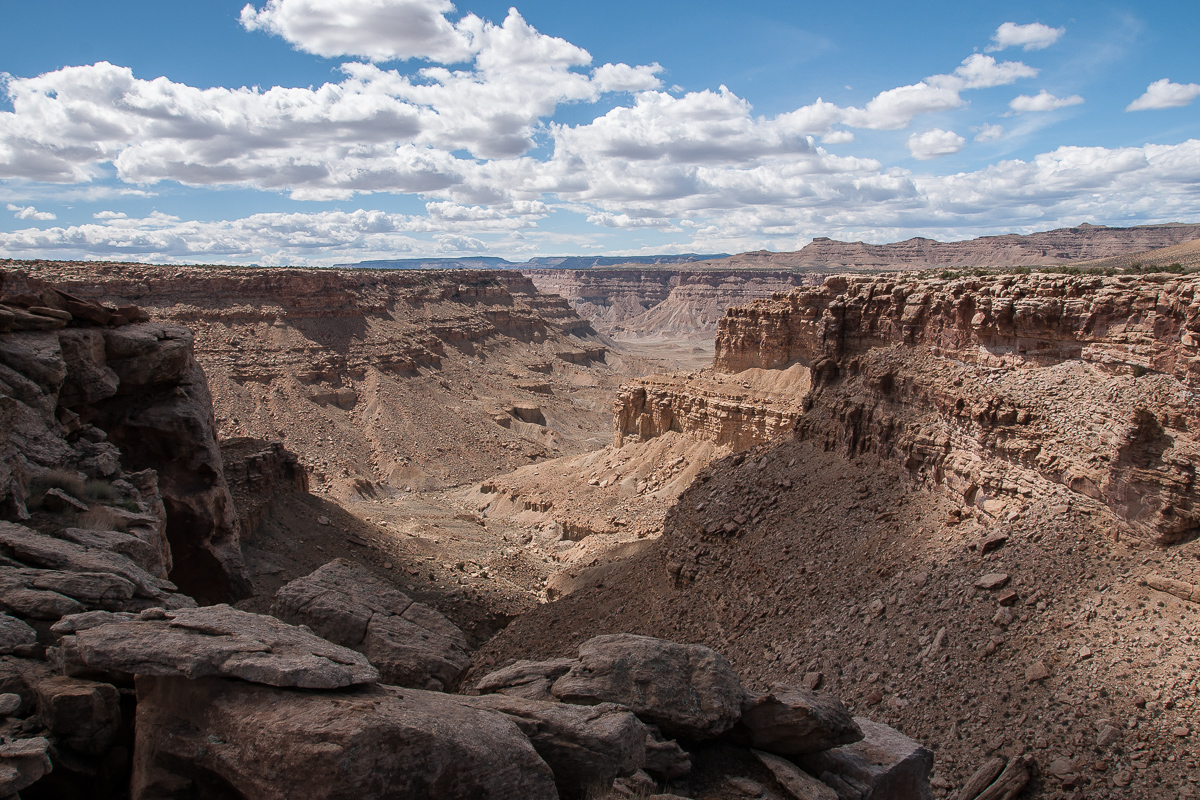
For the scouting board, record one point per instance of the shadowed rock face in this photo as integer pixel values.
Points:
(104, 392)
(162, 419)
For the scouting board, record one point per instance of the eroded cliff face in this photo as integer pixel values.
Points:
(993, 388)
(93, 393)
(730, 411)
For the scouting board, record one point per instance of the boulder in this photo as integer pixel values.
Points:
(789, 721)
(585, 746)
(84, 714)
(14, 634)
(530, 679)
(214, 640)
(409, 643)
(90, 588)
(687, 690)
(220, 738)
(884, 765)
(23, 762)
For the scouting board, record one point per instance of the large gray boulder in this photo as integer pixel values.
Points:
(884, 765)
(585, 746)
(790, 721)
(409, 643)
(689, 691)
(214, 640)
(215, 738)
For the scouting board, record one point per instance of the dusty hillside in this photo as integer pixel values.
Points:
(1185, 255)
(982, 531)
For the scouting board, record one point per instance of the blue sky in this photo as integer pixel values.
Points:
(328, 131)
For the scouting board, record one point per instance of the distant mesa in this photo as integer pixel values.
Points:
(547, 262)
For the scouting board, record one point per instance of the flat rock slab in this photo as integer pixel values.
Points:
(689, 691)
(264, 743)
(585, 746)
(214, 641)
(790, 721)
(885, 765)
(409, 643)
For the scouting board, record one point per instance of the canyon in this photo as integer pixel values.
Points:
(498, 523)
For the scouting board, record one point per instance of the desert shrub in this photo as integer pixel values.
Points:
(101, 519)
(99, 490)
(61, 479)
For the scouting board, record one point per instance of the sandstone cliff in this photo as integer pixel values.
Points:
(992, 386)
(86, 388)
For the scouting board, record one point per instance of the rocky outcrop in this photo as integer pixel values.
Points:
(409, 643)
(109, 396)
(692, 692)
(1130, 324)
(730, 411)
(258, 472)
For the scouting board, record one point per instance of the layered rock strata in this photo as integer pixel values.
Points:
(995, 387)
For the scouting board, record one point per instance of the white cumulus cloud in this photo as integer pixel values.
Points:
(934, 143)
(380, 30)
(1042, 101)
(29, 212)
(978, 71)
(1164, 94)
(1034, 36)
